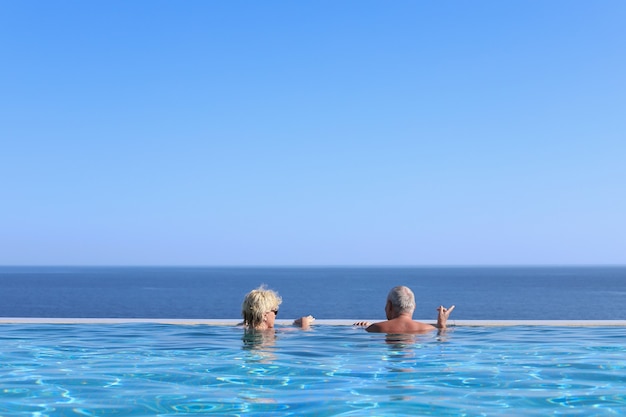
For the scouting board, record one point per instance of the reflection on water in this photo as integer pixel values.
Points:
(401, 354)
(258, 339)
(260, 342)
(401, 340)
(178, 370)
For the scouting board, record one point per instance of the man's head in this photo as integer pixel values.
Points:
(401, 300)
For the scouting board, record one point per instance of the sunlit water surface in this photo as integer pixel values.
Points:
(175, 370)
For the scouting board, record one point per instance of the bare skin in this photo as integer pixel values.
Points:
(404, 323)
(268, 320)
(270, 317)
(304, 322)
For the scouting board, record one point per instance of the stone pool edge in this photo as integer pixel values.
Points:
(331, 322)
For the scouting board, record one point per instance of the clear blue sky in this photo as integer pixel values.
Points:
(312, 133)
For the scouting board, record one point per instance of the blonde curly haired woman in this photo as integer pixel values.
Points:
(260, 308)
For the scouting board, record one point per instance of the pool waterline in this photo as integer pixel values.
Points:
(327, 322)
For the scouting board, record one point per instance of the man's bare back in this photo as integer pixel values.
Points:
(399, 310)
(401, 324)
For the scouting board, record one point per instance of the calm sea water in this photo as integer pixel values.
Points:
(171, 370)
(507, 293)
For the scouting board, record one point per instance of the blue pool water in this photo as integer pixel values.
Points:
(150, 369)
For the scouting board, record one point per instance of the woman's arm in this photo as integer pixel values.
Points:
(304, 322)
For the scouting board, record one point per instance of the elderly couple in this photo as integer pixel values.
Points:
(260, 307)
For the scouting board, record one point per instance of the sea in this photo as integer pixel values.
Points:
(359, 293)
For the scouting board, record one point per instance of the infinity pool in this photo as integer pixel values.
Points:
(148, 369)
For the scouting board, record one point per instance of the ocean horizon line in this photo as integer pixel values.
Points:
(315, 266)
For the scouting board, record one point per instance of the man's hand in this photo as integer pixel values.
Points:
(362, 323)
(443, 315)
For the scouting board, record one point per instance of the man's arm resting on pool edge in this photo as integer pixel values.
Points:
(442, 320)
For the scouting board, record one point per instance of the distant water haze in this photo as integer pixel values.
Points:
(480, 293)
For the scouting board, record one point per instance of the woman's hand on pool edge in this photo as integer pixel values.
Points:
(304, 322)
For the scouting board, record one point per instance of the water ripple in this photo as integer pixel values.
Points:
(170, 370)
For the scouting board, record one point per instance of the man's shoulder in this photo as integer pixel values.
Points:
(380, 327)
(400, 326)
(419, 326)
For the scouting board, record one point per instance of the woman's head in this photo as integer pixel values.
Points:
(260, 307)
